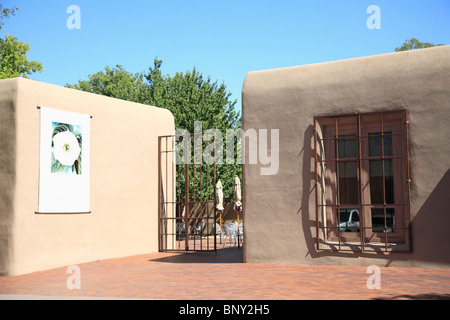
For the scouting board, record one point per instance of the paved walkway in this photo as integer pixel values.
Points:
(205, 276)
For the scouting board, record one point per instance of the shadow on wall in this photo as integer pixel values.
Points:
(308, 193)
(430, 225)
(7, 181)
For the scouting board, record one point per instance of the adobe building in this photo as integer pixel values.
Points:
(95, 199)
(364, 162)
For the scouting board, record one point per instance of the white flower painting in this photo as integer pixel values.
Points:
(66, 148)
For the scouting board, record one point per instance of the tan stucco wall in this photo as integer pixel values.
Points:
(123, 179)
(280, 209)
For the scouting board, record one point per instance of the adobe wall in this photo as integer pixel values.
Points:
(123, 179)
(280, 208)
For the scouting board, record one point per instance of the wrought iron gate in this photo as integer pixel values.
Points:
(187, 192)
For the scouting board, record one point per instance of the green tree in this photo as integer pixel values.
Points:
(113, 82)
(413, 43)
(5, 13)
(13, 53)
(191, 97)
(13, 59)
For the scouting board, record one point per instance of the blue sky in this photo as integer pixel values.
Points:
(222, 39)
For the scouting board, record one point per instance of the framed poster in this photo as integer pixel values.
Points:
(64, 162)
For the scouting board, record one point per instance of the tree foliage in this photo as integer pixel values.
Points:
(116, 82)
(13, 59)
(13, 53)
(5, 13)
(413, 43)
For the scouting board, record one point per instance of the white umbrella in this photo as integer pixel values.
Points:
(219, 205)
(238, 203)
(237, 194)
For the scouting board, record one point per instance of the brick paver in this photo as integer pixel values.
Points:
(201, 276)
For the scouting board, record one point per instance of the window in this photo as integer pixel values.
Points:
(362, 181)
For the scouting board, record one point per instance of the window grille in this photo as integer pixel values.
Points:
(362, 182)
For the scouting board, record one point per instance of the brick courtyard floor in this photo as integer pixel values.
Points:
(206, 276)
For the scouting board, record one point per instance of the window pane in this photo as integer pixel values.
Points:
(349, 220)
(347, 147)
(376, 181)
(348, 182)
(378, 220)
(375, 144)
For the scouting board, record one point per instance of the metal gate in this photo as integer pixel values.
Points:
(187, 192)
